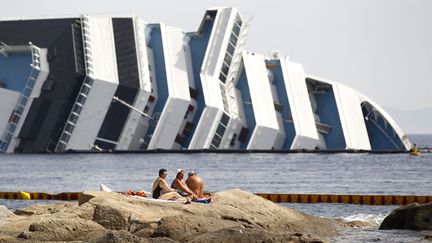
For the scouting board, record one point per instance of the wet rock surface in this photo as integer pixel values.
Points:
(354, 223)
(413, 216)
(234, 216)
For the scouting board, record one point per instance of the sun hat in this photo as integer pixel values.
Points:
(179, 170)
(191, 173)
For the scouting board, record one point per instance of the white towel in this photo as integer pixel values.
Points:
(104, 188)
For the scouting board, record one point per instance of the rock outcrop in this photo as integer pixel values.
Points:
(234, 216)
(411, 217)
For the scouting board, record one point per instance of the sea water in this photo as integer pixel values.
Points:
(385, 174)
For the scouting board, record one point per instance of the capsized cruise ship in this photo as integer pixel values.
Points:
(120, 83)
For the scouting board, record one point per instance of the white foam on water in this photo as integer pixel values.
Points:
(373, 219)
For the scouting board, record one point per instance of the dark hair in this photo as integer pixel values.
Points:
(161, 171)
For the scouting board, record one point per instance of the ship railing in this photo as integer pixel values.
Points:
(6, 49)
(22, 100)
(88, 57)
(141, 54)
(35, 53)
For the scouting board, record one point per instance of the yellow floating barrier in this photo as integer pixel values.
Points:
(277, 198)
(64, 196)
(346, 199)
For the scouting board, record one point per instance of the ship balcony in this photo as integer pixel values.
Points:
(323, 128)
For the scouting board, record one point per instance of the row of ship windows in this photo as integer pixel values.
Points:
(85, 89)
(19, 108)
(230, 49)
(219, 131)
(76, 111)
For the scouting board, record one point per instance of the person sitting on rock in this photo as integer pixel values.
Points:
(180, 185)
(161, 190)
(196, 184)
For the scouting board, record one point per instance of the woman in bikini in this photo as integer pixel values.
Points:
(161, 190)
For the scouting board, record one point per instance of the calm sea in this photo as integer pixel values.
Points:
(260, 173)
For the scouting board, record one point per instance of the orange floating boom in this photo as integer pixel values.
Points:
(346, 199)
(277, 198)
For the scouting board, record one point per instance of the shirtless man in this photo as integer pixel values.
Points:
(180, 185)
(161, 190)
(196, 184)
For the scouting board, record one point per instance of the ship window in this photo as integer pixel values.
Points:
(232, 143)
(88, 81)
(220, 130)
(212, 147)
(146, 108)
(77, 109)
(180, 139)
(243, 133)
(61, 146)
(8, 137)
(69, 127)
(190, 108)
(193, 93)
(233, 39)
(65, 137)
(151, 98)
(225, 69)
(222, 77)
(238, 20)
(81, 99)
(85, 89)
(27, 91)
(236, 29)
(225, 119)
(73, 118)
(20, 109)
(230, 49)
(216, 140)
(31, 82)
(14, 118)
(278, 107)
(12, 128)
(227, 59)
(188, 129)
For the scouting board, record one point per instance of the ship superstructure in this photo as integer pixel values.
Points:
(120, 83)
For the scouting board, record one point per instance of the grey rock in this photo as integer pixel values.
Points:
(118, 236)
(61, 229)
(5, 212)
(411, 217)
(234, 216)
